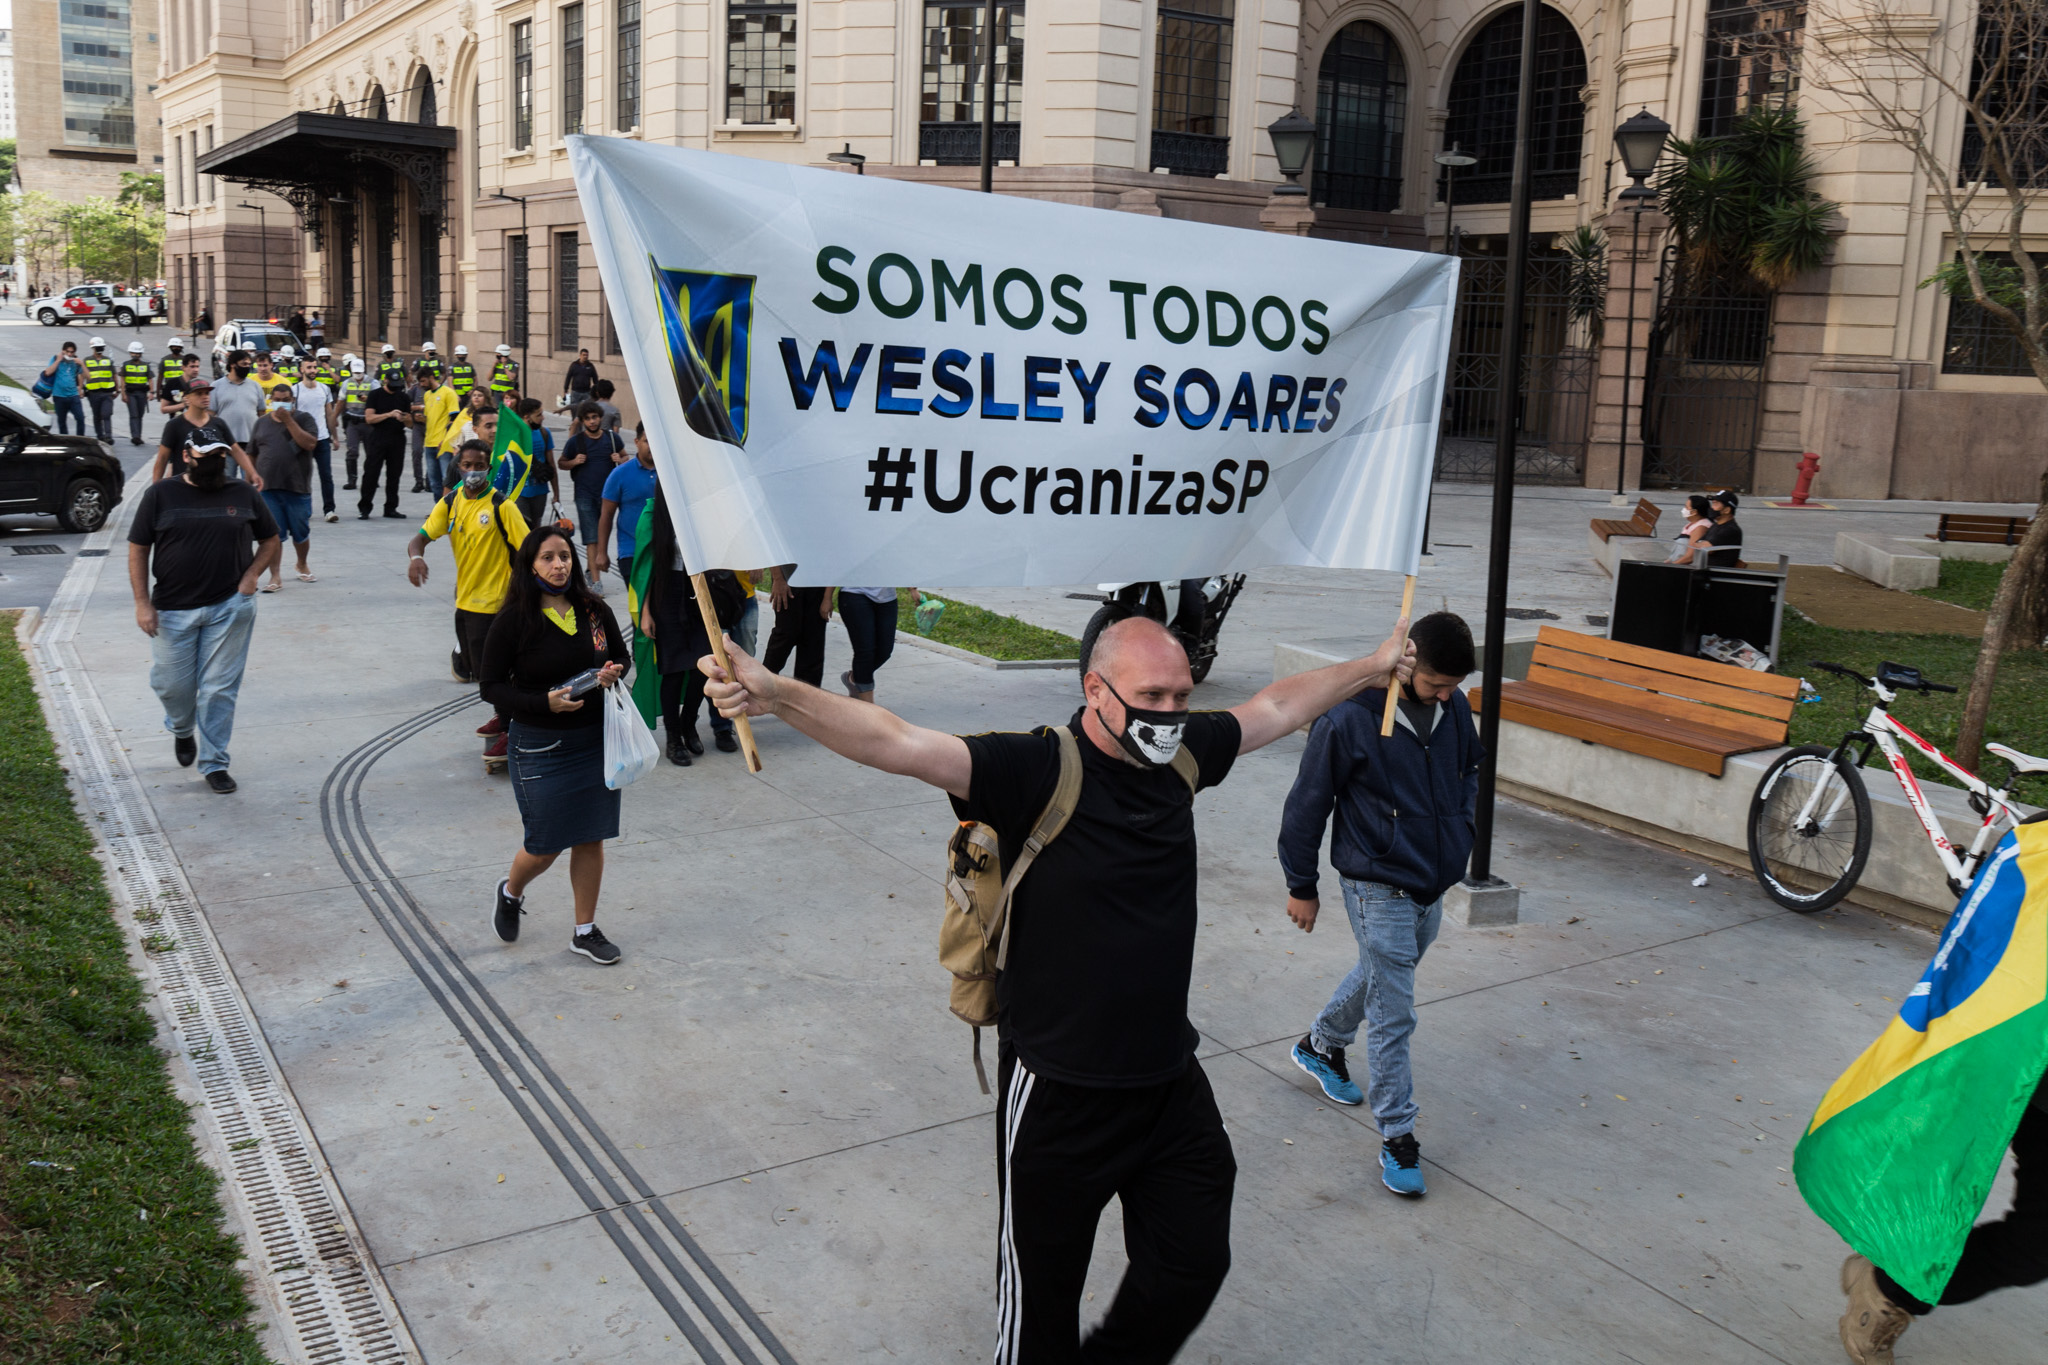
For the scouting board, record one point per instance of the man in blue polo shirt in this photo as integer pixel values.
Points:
(626, 491)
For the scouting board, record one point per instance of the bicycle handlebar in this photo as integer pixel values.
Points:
(1825, 666)
(1859, 678)
(1936, 687)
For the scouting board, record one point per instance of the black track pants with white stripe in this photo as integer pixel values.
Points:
(1062, 1151)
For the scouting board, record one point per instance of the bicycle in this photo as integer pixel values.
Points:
(1810, 823)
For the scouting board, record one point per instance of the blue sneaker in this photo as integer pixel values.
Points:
(1329, 1071)
(1401, 1165)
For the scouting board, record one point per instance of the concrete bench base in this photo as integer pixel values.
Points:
(1606, 553)
(1710, 816)
(1888, 561)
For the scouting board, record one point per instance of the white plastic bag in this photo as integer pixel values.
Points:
(630, 752)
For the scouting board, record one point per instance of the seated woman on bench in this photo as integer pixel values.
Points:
(1722, 538)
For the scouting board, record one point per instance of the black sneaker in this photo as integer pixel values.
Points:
(505, 919)
(455, 670)
(595, 946)
(221, 783)
(691, 738)
(395, 515)
(350, 484)
(679, 753)
(186, 748)
(726, 741)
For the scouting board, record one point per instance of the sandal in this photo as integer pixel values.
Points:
(307, 578)
(270, 587)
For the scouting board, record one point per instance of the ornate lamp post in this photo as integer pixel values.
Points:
(1294, 140)
(1641, 142)
(1451, 159)
(846, 156)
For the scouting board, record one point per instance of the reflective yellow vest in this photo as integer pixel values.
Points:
(505, 377)
(169, 366)
(428, 370)
(99, 373)
(135, 374)
(462, 375)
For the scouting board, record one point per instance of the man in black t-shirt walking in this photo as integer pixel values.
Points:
(387, 412)
(210, 540)
(1100, 1092)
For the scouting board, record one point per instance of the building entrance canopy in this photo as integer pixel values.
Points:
(308, 158)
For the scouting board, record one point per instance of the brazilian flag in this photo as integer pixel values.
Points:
(1902, 1152)
(646, 677)
(511, 454)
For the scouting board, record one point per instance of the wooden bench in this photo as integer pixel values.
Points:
(1690, 712)
(1980, 530)
(1643, 523)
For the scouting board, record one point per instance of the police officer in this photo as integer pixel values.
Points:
(135, 385)
(462, 374)
(390, 366)
(323, 368)
(173, 363)
(429, 368)
(355, 390)
(505, 375)
(100, 383)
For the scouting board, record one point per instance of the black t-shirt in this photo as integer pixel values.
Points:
(1103, 942)
(582, 377)
(1724, 533)
(172, 388)
(387, 436)
(589, 476)
(179, 435)
(204, 540)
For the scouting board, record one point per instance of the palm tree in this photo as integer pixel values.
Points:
(1742, 204)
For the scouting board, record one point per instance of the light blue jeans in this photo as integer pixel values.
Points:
(196, 669)
(1393, 933)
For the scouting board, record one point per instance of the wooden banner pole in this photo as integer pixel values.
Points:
(717, 636)
(1394, 684)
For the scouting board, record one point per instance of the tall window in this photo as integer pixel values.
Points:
(375, 106)
(1361, 112)
(572, 69)
(1482, 108)
(427, 261)
(629, 65)
(176, 179)
(566, 281)
(426, 107)
(760, 63)
(955, 62)
(1752, 59)
(1191, 87)
(1978, 343)
(522, 85)
(212, 181)
(516, 299)
(2009, 80)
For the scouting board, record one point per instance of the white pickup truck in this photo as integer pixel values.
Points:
(93, 302)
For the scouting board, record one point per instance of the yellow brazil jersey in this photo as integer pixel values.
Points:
(482, 537)
(444, 407)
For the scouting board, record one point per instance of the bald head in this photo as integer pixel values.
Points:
(1136, 643)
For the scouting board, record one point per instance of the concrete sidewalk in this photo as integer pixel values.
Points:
(766, 1110)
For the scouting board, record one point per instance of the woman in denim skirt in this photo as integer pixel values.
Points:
(550, 629)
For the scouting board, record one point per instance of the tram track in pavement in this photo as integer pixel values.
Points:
(703, 1303)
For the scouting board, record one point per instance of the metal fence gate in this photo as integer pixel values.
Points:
(1704, 386)
(1553, 411)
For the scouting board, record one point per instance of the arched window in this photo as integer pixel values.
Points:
(374, 105)
(1361, 110)
(1482, 108)
(425, 108)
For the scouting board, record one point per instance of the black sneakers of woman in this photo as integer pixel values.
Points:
(595, 946)
(506, 918)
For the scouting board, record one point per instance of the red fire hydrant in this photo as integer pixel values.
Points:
(1808, 467)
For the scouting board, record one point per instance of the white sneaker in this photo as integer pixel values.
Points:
(334, 516)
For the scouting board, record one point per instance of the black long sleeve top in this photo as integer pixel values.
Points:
(524, 660)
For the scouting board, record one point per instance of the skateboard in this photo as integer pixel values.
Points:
(494, 766)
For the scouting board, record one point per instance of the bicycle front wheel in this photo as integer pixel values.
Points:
(1809, 829)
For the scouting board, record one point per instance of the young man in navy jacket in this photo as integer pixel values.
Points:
(1404, 834)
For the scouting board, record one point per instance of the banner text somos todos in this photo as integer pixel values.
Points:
(972, 382)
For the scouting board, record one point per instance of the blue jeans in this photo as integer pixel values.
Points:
(871, 630)
(746, 631)
(72, 408)
(293, 513)
(1393, 933)
(589, 512)
(323, 465)
(449, 478)
(196, 671)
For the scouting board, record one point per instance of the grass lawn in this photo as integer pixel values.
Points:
(2019, 708)
(1966, 582)
(113, 1251)
(983, 632)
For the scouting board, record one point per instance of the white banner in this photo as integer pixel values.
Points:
(891, 383)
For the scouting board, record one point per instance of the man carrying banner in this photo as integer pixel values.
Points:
(1100, 1092)
(1906, 1144)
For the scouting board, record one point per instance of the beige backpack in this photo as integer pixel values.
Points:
(974, 938)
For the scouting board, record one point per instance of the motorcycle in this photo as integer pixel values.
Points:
(1193, 609)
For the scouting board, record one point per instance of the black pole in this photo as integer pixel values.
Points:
(988, 99)
(526, 322)
(1504, 454)
(1628, 349)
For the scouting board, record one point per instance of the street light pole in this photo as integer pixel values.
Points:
(988, 98)
(169, 294)
(1481, 877)
(1451, 159)
(263, 231)
(1641, 141)
(525, 322)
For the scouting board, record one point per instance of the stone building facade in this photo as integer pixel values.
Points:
(456, 218)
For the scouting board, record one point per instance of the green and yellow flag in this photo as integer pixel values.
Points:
(1902, 1152)
(512, 453)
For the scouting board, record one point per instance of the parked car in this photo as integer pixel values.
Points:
(254, 335)
(25, 403)
(91, 302)
(72, 478)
